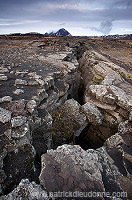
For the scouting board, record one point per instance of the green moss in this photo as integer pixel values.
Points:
(64, 125)
(129, 76)
(96, 81)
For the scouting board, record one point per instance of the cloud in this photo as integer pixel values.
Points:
(98, 15)
(62, 24)
(12, 23)
(105, 27)
(121, 3)
(52, 8)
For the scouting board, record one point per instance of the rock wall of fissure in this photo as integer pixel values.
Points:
(26, 99)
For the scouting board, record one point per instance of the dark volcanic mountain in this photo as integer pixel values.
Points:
(60, 32)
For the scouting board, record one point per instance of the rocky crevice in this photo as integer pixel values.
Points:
(54, 114)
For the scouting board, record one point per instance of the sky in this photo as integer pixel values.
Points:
(79, 17)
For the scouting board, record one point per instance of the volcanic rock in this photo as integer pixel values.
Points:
(5, 115)
(26, 190)
(70, 168)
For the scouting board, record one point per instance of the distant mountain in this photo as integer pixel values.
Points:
(124, 36)
(60, 32)
(33, 34)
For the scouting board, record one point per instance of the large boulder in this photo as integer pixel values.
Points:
(70, 168)
(68, 122)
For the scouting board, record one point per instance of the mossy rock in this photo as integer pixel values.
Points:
(64, 125)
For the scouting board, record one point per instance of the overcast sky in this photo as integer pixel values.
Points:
(79, 17)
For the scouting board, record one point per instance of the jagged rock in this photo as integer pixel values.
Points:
(20, 82)
(106, 88)
(18, 121)
(41, 82)
(73, 108)
(31, 105)
(122, 99)
(106, 169)
(33, 83)
(5, 115)
(20, 128)
(110, 88)
(93, 113)
(2, 176)
(18, 91)
(130, 116)
(118, 147)
(94, 136)
(70, 66)
(17, 107)
(26, 190)
(49, 80)
(8, 133)
(42, 132)
(18, 164)
(41, 93)
(69, 168)
(125, 127)
(6, 99)
(21, 73)
(3, 70)
(68, 122)
(3, 77)
(3, 153)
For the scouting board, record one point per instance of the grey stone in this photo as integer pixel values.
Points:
(41, 93)
(42, 132)
(18, 121)
(20, 82)
(21, 73)
(20, 129)
(49, 80)
(6, 98)
(93, 113)
(33, 83)
(122, 99)
(74, 109)
(99, 91)
(31, 105)
(27, 190)
(8, 133)
(3, 70)
(3, 77)
(18, 91)
(5, 115)
(69, 121)
(130, 116)
(71, 168)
